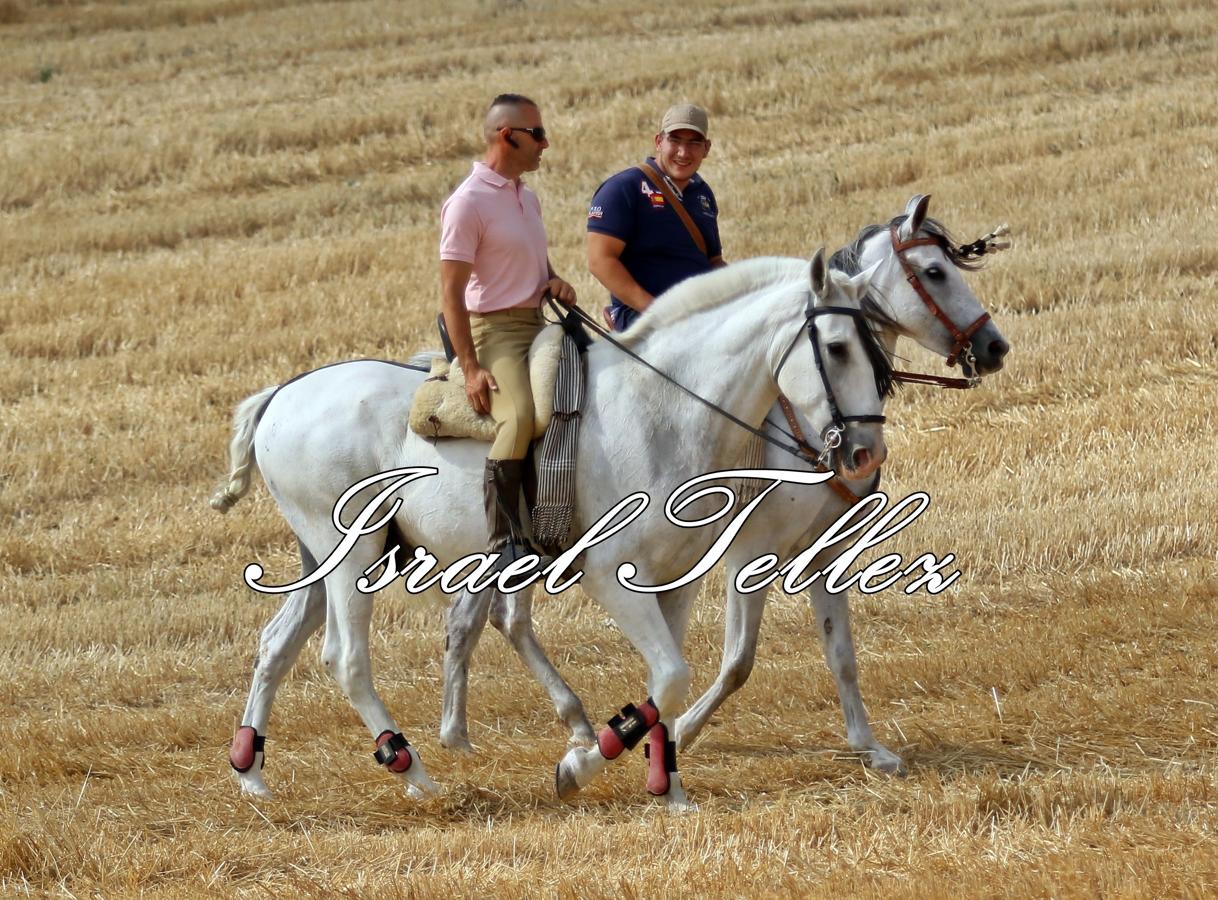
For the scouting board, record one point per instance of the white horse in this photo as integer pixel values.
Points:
(901, 310)
(738, 337)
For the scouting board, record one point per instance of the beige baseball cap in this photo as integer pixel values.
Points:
(685, 115)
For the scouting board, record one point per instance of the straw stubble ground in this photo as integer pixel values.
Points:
(202, 198)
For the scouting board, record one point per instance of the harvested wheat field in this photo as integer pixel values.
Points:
(201, 198)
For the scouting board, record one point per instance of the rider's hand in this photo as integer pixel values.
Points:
(478, 386)
(561, 291)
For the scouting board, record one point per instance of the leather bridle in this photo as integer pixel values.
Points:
(809, 453)
(574, 320)
(835, 431)
(961, 348)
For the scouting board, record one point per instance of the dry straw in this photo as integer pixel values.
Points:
(199, 199)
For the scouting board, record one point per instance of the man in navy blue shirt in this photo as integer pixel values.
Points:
(638, 245)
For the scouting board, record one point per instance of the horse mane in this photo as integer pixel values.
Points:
(702, 292)
(847, 259)
(721, 285)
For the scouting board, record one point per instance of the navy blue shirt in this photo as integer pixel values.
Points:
(659, 250)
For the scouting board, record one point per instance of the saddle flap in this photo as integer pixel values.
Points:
(441, 409)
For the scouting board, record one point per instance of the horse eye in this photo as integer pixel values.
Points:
(934, 273)
(838, 350)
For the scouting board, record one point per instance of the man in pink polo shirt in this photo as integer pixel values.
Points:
(495, 270)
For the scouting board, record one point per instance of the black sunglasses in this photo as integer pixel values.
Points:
(538, 134)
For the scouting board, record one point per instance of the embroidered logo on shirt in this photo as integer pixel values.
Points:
(706, 207)
(656, 198)
(595, 212)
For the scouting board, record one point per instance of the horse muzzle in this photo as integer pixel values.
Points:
(861, 454)
(988, 349)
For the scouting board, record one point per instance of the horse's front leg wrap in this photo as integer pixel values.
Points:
(661, 756)
(247, 744)
(626, 729)
(393, 751)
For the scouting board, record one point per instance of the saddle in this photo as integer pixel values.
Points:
(556, 375)
(441, 409)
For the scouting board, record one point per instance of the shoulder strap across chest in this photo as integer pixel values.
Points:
(678, 207)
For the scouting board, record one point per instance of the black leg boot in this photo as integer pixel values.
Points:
(501, 496)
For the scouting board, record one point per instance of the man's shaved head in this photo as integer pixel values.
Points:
(504, 112)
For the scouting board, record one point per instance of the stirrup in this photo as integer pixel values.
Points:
(515, 549)
(607, 315)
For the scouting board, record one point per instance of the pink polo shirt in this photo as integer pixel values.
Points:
(495, 223)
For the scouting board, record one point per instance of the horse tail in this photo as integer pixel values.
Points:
(241, 449)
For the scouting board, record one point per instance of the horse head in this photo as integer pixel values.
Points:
(846, 369)
(919, 291)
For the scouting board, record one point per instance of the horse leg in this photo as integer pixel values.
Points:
(464, 624)
(345, 654)
(740, 631)
(661, 752)
(281, 642)
(676, 607)
(833, 622)
(640, 619)
(512, 614)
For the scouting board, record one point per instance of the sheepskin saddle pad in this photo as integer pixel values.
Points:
(440, 407)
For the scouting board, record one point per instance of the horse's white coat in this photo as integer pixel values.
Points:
(326, 431)
(772, 528)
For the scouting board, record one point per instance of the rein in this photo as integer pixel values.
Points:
(943, 381)
(808, 452)
(794, 449)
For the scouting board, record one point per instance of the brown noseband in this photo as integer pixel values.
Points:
(962, 338)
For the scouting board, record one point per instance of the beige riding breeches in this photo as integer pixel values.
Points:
(502, 340)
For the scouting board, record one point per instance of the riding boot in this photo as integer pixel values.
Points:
(501, 496)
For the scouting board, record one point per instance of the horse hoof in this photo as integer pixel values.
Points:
(460, 743)
(884, 760)
(418, 783)
(421, 788)
(565, 784)
(680, 806)
(416, 791)
(253, 787)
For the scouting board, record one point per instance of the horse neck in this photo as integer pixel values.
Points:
(724, 354)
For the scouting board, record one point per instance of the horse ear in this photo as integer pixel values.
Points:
(915, 213)
(819, 274)
(857, 287)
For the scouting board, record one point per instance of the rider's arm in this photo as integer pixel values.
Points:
(454, 276)
(559, 288)
(605, 264)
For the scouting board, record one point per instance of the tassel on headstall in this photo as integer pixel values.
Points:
(989, 243)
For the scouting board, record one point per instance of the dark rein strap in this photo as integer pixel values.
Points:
(566, 311)
(943, 381)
